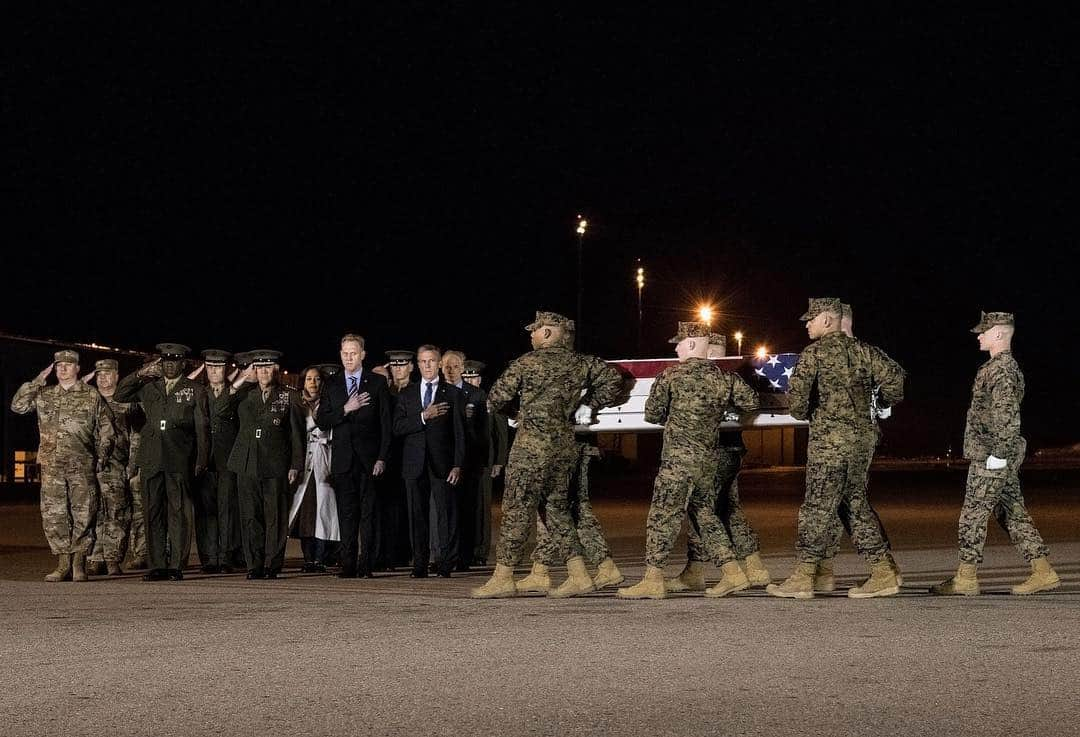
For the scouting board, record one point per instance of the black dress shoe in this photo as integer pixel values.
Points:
(462, 567)
(273, 575)
(175, 574)
(318, 568)
(418, 573)
(444, 573)
(210, 569)
(365, 574)
(308, 567)
(255, 575)
(346, 574)
(158, 574)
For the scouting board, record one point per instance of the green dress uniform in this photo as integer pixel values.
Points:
(270, 443)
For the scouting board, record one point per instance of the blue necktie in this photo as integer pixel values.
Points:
(427, 395)
(352, 385)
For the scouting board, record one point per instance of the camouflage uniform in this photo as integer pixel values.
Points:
(594, 546)
(115, 501)
(688, 399)
(831, 387)
(548, 383)
(725, 496)
(76, 429)
(136, 538)
(993, 428)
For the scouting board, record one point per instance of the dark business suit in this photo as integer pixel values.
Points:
(270, 442)
(174, 442)
(429, 451)
(477, 446)
(360, 439)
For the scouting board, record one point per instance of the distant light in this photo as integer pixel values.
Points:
(705, 312)
(738, 336)
(640, 277)
(762, 352)
(582, 225)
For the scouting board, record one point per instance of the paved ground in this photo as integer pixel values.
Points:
(315, 655)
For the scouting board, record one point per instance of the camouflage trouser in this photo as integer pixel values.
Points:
(996, 492)
(729, 509)
(681, 490)
(593, 544)
(537, 478)
(136, 538)
(842, 522)
(113, 517)
(835, 477)
(69, 504)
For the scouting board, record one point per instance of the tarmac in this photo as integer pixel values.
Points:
(316, 655)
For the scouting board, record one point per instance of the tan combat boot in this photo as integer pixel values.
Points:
(113, 568)
(652, 586)
(608, 574)
(95, 568)
(824, 578)
(692, 578)
(964, 583)
(499, 586)
(734, 580)
(63, 569)
(756, 572)
(1042, 578)
(882, 582)
(578, 581)
(799, 585)
(78, 566)
(895, 569)
(537, 582)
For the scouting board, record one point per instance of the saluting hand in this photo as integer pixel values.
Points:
(436, 409)
(45, 373)
(151, 369)
(194, 374)
(454, 477)
(88, 378)
(233, 375)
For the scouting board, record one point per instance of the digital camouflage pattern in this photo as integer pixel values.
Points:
(689, 400)
(115, 500)
(993, 428)
(831, 387)
(548, 384)
(593, 544)
(76, 429)
(744, 540)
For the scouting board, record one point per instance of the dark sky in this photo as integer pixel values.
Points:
(248, 178)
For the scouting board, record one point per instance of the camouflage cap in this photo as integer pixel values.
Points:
(846, 311)
(106, 364)
(400, 358)
(690, 330)
(718, 339)
(819, 305)
(216, 357)
(473, 368)
(988, 320)
(66, 356)
(172, 350)
(550, 319)
(264, 357)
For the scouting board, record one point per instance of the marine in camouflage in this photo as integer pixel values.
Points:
(593, 544)
(76, 429)
(689, 400)
(831, 387)
(550, 383)
(993, 428)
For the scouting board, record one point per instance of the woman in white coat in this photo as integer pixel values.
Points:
(313, 516)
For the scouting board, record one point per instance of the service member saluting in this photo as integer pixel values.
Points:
(173, 449)
(267, 458)
(995, 448)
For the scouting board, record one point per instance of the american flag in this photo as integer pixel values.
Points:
(772, 372)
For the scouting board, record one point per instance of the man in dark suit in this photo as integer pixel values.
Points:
(355, 405)
(430, 417)
(495, 444)
(468, 498)
(174, 450)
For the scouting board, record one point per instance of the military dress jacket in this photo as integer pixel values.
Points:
(477, 431)
(272, 437)
(224, 423)
(175, 437)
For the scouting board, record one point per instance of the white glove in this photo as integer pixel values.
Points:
(730, 416)
(884, 413)
(993, 463)
(584, 415)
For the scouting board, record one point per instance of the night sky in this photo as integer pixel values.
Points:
(256, 178)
